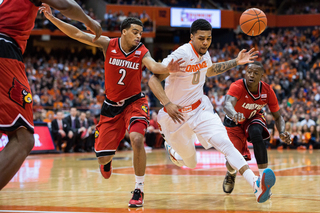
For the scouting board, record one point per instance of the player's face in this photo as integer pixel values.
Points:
(253, 75)
(201, 41)
(133, 35)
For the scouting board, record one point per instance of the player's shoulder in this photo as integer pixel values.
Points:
(265, 85)
(184, 49)
(238, 83)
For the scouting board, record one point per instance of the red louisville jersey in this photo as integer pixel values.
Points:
(17, 20)
(123, 71)
(249, 104)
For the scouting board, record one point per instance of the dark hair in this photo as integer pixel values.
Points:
(200, 24)
(258, 64)
(126, 24)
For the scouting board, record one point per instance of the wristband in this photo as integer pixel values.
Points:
(167, 104)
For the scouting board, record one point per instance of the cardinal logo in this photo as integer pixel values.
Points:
(96, 134)
(19, 93)
(144, 107)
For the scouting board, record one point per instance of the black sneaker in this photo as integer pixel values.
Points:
(137, 199)
(228, 182)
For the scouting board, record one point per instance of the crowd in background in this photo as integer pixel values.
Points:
(63, 79)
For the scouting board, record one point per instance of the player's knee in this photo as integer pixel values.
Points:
(104, 160)
(255, 130)
(137, 140)
(25, 139)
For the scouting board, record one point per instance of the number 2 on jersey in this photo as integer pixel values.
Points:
(123, 72)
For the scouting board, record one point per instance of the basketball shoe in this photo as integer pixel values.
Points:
(137, 199)
(106, 170)
(228, 182)
(263, 185)
(171, 152)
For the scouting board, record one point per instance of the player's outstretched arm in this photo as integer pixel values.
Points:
(157, 89)
(228, 107)
(159, 68)
(72, 10)
(244, 57)
(74, 32)
(281, 127)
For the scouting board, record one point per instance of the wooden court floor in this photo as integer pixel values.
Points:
(72, 183)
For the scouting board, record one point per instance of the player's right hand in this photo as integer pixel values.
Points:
(238, 117)
(94, 27)
(174, 113)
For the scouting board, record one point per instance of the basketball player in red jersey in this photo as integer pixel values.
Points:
(125, 106)
(16, 120)
(244, 120)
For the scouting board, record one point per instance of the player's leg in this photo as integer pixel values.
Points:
(136, 119)
(14, 153)
(108, 135)
(180, 139)
(259, 147)
(238, 139)
(256, 132)
(208, 124)
(16, 117)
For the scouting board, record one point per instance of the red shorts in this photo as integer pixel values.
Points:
(239, 135)
(111, 130)
(15, 93)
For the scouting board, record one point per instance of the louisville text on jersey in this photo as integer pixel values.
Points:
(124, 63)
(253, 106)
(196, 67)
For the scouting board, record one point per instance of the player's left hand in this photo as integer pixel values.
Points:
(46, 10)
(245, 57)
(285, 137)
(175, 66)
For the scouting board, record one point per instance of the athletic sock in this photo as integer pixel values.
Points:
(250, 177)
(139, 182)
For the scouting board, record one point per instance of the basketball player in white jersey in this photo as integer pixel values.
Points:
(188, 114)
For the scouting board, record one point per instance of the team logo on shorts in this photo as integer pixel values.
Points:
(19, 93)
(144, 107)
(96, 134)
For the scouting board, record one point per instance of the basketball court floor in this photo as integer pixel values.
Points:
(72, 183)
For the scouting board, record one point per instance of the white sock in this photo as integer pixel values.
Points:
(261, 171)
(139, 182)
(250, 177)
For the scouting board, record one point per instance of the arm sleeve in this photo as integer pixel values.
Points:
(235, 91)
(273, 101)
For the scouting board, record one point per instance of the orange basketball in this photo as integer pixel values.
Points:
(253, 21)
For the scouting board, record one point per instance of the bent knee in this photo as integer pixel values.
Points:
(104, 160)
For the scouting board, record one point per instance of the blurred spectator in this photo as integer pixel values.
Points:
(153, 136)
(61, 132)
(73, 122)
(87, 134)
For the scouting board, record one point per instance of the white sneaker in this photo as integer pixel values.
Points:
(170, 151)
(262, 186)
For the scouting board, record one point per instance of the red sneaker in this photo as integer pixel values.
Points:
(106, 170)
(137, 198)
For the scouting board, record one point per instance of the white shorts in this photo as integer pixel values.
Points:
(202, 124)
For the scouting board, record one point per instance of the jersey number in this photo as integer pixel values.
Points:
(123, 72)
(252, 114)
(196, 77)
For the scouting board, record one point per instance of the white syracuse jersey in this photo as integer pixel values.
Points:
(185, 88)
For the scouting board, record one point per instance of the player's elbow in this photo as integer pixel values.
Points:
(60, 5)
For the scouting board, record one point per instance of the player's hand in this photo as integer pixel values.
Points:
(246, 57)
(46, 10)
(238, 117)
(94, 27)
(175, 66)
(285, 137)
(174, 113)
